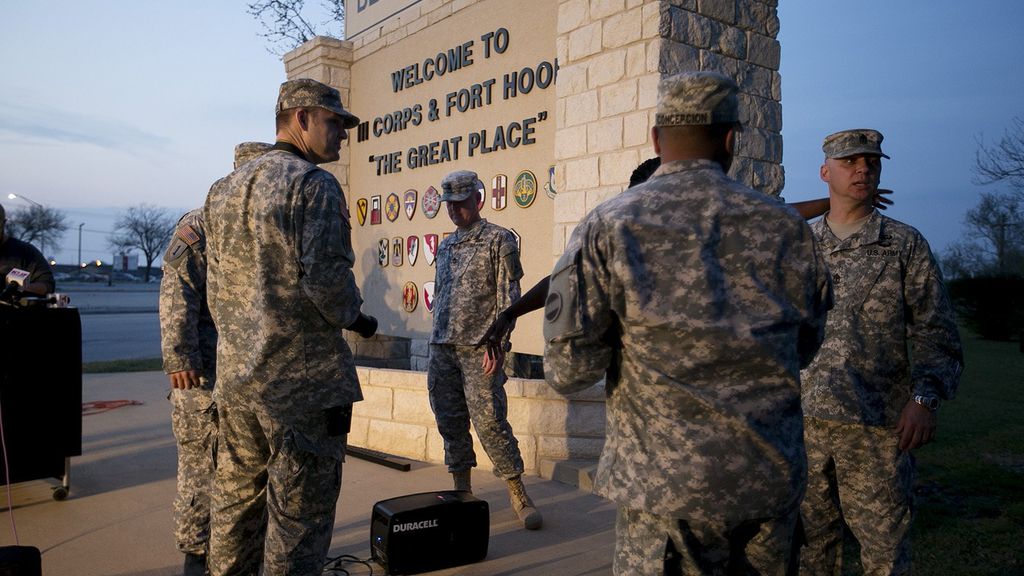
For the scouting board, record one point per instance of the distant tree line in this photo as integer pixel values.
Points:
(986, 266)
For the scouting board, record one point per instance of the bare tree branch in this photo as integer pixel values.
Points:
(145, 227)
(287, 23)
(1003, 161)
(40, 225)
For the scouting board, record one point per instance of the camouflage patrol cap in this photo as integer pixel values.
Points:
(852, 142)
(306, 92)
(247, 151)
(697, 98)
(459, 185)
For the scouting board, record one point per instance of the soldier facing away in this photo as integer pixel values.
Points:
(281, 290)
(188, 339)
(697, 300)
(891, 353)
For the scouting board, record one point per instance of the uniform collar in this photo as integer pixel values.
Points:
(873, 232)
(684, 165)
(289, 147)
(474, 230)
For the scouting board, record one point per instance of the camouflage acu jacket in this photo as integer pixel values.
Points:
(281, 287)
(188, 337)
(700, 299)
(477, 275)
(892, 333)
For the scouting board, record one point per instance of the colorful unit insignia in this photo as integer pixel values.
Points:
(383, 250)
(410, 296)
(499, 191)
(392, 207)
(361, 209)
(524, 191)
(428, 295)
(397, 249)
(412, 249)
(410, 203)
(375, 210)
(549, 188)
(430, 240)
(431, 202)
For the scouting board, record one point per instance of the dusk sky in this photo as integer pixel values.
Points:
(109, 103)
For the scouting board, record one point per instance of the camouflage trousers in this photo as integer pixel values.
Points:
(650, 545)
(856, 474)
(460, 392)
(194, 423)
(276, 490)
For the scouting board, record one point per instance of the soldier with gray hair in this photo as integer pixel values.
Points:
(188, 339)
(281, 290)
(697, 300)
(477, 275)
(891, 354)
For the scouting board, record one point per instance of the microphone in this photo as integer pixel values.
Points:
(17, 276)
(15, 281)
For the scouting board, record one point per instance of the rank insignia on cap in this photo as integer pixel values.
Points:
(375, 210)
(524, 190)
(410, 203)
(392, 207)
(428, 295)
(412, 244)
(410, 296)
(430, 240)
(397, 249)
(499, 191)
(361, 208)
(187, 233)
(383, 251)
(431, 202)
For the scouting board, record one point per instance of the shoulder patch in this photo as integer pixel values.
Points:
(188, 234)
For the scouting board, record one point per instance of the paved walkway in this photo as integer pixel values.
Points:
(117, 519)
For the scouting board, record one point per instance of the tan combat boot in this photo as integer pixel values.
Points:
(522, 505)
(462, 480)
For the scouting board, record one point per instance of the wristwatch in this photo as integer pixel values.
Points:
(929, 402)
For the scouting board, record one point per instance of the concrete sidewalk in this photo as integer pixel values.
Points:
(117, 518)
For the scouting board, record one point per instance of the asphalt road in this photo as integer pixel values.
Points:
(119, 322)
(120, 336)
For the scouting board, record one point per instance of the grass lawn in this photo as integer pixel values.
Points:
(108, 366)
(970, 488)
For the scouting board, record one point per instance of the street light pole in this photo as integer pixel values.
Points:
(13, 196)
(79, 263)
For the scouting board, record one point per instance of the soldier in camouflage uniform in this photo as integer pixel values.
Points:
(281, 290)
(891, 352)
(477, 274)
(188, 340)
(698, 300)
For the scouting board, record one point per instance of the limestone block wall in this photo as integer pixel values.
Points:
(612, 54)
(395, 417)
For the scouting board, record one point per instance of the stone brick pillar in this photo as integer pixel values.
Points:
(612, 53)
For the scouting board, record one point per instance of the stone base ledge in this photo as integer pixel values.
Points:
(395, 418)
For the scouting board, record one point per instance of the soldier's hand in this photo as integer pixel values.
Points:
(364, 325)
(493, 360)
(496, 333)
(916, 426)
(880, 201)
(184, 379)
